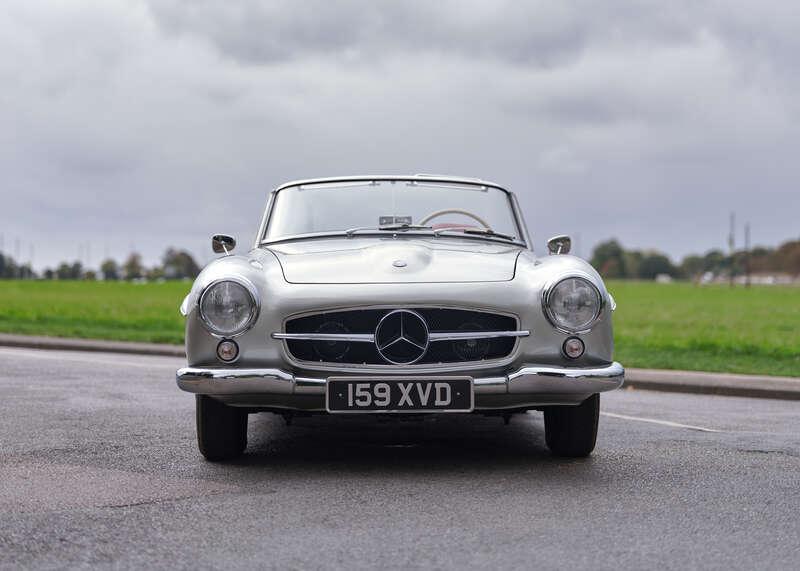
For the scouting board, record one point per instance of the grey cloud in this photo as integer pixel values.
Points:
(534, 32)
(157, 123)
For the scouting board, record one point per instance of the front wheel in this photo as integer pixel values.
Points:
(221, 429)
(572, 430)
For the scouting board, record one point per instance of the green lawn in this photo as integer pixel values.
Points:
(665, 326)
(708, 328)
(94, 310)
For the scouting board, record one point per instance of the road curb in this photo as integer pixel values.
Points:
(94, 345)
(694, 382)
(756, 386)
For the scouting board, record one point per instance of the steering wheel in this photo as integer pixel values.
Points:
(466, 213)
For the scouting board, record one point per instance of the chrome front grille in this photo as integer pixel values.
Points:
(401, 336)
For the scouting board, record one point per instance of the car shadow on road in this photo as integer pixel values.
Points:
(441, 444)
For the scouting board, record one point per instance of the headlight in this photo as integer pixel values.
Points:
(573, 304)
(228, 307)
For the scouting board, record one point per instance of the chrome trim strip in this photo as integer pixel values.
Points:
(520, 219)
(310, 386)
(610, 371)
(490, 385)
(464, 335)
(354, 337)
(370, 337)
(566, 380)
(390, 307)
(262, 228)
(403, 178)
(235, 381)
(383, 233)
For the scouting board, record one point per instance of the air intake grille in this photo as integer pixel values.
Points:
(365, 321)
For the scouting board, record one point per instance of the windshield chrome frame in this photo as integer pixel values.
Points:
(522, 240)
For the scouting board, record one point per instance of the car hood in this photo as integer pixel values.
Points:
(395, 260)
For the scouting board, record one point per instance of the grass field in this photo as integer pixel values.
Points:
(120, 311)
(665, 326)
(708, 328)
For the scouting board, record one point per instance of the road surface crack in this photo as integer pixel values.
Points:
(160, 500)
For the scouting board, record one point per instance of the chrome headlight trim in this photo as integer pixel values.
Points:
(548, 313)
(255, 307)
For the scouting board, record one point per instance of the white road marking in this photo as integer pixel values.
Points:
(662, 422)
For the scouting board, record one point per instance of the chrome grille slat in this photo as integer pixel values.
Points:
(370, 338)
(347, 337)
(465, 335)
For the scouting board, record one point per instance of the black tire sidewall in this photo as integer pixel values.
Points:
(572, 430)
(221, 429)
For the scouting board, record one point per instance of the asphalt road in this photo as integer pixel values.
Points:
(98, 466)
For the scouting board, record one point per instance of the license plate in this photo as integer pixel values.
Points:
(400, 395)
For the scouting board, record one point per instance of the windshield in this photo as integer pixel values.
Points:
(448, 209)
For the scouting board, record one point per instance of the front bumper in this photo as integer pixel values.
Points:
(527, 387)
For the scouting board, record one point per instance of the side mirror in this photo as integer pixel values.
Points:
(223, 244)
(559, 244)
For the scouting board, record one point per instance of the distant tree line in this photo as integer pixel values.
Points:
(613, 261)
(175, 264)
(610, 259)
(10, 269)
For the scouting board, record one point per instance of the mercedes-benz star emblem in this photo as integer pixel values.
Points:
(402, 337)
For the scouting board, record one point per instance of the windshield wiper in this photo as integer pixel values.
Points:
(388, 228)
(478, 232)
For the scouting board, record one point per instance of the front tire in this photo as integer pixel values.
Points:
(571, 431)
(221, 429)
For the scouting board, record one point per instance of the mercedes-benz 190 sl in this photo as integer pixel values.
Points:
(401, 295)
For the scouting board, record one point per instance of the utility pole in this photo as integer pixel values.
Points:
(747, 254)
(18, 262)
(732, 244)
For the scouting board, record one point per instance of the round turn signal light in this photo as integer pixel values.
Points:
(573, 348)
(227, 350)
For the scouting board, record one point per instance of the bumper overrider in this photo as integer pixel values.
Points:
(528, 386)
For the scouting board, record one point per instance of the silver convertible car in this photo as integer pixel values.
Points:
(410, 295)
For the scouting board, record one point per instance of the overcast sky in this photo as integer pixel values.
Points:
(143, 124)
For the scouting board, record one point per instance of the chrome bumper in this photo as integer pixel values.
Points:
(554, 384)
